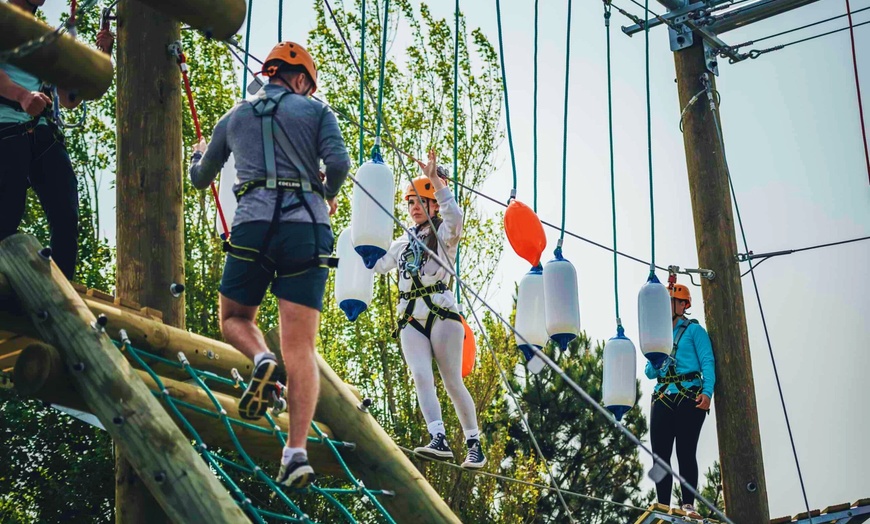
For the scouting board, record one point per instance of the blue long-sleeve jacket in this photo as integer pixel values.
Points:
(694, 353)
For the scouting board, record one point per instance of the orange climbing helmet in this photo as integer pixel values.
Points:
(292, 54)
(681, 292)
(423, 188)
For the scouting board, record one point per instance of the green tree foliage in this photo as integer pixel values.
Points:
(418, 115)
(588, 455)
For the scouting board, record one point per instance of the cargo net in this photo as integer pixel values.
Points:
(240, 470)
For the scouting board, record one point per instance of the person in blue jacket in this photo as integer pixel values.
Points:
(681, 399)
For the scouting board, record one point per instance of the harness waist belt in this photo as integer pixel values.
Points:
(678, 379)
(438, 287)
(293, 184)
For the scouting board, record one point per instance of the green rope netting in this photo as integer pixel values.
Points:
(221, 464)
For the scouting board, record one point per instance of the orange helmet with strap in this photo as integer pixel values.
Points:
(292, 54)
(681, 292)
(423, 187)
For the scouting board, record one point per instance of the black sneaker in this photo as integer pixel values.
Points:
(257, 397)
(297, 474)
(437, 449)
(475, 458)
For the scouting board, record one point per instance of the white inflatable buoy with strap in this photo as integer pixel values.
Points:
(562, 300)
(531, 321)
(618, 384)
(655, 324)
(372, 227)
(226, 197)
(354, 282)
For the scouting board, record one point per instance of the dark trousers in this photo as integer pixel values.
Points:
(38, 159)
(675, 418)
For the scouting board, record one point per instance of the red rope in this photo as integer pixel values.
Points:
(858, 88)
(182, 66)
(72, 11)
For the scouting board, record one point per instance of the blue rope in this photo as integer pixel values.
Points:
(247, 48)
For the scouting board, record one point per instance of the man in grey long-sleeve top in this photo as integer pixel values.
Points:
(279, 242)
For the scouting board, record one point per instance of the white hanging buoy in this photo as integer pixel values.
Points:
(226, 197)
(618, 384)
(655, 323)
(531, 321)
(372, 227)
(562, 300)
(354, 282)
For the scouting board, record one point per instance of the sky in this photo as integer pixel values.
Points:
(793, 142)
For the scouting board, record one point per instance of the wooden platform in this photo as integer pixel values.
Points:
(845, 513)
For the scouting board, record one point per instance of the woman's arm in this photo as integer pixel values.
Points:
(390, 260)
(704, 348)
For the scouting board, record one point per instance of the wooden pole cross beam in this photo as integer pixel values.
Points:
(40, 372)
(65, 62)
(218, 19)
(162, 455)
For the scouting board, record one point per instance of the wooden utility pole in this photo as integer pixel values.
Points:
(736, 413)
(150, 238)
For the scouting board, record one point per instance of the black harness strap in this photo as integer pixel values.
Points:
(671, 375)
(265, 107)
(419, 291)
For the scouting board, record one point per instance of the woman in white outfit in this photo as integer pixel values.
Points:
(429, 322)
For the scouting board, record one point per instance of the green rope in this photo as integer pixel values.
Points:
(507, 106)
(558, 251)
(247, 48)
(280, 20)
(376, 150)
(456, 133)
(215, 461)
(362, 72)
(535, 121)
(652, 213)
(612, 168)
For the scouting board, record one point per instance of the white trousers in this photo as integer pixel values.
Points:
(446, 346)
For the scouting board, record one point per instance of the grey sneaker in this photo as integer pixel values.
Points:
(297, 474)
(475, 458)
(257, 398)
(691, 512)
(437, 449)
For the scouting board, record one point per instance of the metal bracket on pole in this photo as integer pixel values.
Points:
(711, 58)
(708, 274)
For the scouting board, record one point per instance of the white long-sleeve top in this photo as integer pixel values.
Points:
(449, 233)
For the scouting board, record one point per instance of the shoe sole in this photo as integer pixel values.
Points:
(301, 478)
(474, 465)
(434, 454)
(256, 399)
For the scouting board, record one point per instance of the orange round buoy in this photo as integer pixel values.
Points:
(469, 349)
(525, 232)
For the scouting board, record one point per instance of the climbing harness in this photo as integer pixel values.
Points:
(264, 107)
(671, 375)
(412, 265)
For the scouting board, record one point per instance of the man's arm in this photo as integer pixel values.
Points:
(33, 102)
(334, 154)
(204, 167)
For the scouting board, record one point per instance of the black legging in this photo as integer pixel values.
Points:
(676, 418)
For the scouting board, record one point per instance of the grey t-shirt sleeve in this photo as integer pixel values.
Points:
(333, 153)
(204, 169)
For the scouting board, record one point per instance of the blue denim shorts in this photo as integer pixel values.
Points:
(245, 280)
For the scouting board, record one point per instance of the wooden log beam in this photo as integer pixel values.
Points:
(219, 19)
(40, 373)
(160, 453)
(150, 335)
(66, 63)
(377, 460)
